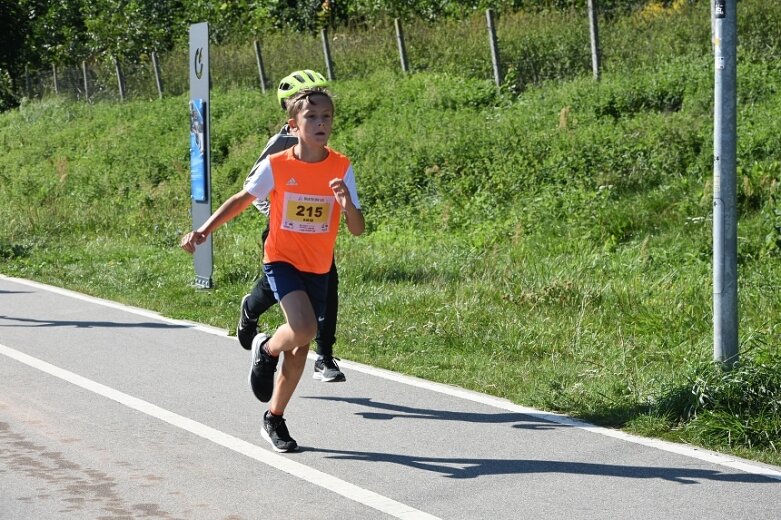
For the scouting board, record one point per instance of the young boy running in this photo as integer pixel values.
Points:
(308, 186)
(262, 298)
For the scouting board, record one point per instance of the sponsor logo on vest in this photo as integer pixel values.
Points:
(292, 182)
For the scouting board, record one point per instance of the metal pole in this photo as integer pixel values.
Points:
(261, 68)
(725, 228)
(402, 48)
(489, 15)
(120, 79)
(28, 89)
(86, 81)
(594, 30)
(56, 80)
(158, 76)
(327, 52)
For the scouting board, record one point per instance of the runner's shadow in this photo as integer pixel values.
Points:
(14, 292)
(465, 468)
(30, 322)
(527, 421)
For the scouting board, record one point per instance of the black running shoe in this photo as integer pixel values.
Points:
(246, 329)
(261, 372)
(327, 371)
(275, 432)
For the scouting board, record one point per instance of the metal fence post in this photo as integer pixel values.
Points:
(402, 48)
(489, 14)
(56, 81)
(86, 82)
(261, 68)
(594, 30)
(158, 76)
(27, 85)
(327, 52)
(120, 79)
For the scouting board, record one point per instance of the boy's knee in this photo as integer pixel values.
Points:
(298, 355)
(304, 333)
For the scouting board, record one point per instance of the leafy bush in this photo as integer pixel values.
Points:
(759, 41)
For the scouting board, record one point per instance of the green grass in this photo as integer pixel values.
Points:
(550, 246)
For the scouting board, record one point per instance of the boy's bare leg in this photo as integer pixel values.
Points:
(293, 339)
(287, 381)
(301, 326)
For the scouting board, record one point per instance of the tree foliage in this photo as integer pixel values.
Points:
(127, 29)
(14, 42)
(60, 35)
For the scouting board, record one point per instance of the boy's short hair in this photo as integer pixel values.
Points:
(296, 102)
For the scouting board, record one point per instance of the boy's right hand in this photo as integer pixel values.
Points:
(192, 239)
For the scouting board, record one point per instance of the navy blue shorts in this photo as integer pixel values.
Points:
(283, 279)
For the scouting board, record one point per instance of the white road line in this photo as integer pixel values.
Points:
(316, 477)
(712, 457)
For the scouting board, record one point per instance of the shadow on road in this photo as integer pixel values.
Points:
(29, 322)
(405, 412)
(473, 468)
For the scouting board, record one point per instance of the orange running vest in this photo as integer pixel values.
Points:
(304, 217)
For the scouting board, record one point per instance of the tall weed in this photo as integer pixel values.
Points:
(740, 407)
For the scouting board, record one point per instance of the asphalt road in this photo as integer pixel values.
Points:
(111, 412)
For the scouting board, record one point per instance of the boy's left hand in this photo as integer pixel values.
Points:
(340, 192)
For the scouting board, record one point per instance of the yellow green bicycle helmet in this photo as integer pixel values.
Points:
(298, 81)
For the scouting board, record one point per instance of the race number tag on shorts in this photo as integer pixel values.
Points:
(307, 213)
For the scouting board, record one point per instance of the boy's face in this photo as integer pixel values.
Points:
(314, 122)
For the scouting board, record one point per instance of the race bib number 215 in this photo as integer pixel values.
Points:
(307, 213)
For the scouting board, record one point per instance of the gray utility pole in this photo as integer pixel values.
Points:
(725, 221)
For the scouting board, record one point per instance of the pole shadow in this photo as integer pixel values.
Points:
(469, 468)
(524, 421)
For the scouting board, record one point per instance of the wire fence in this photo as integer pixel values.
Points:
(513, 50)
